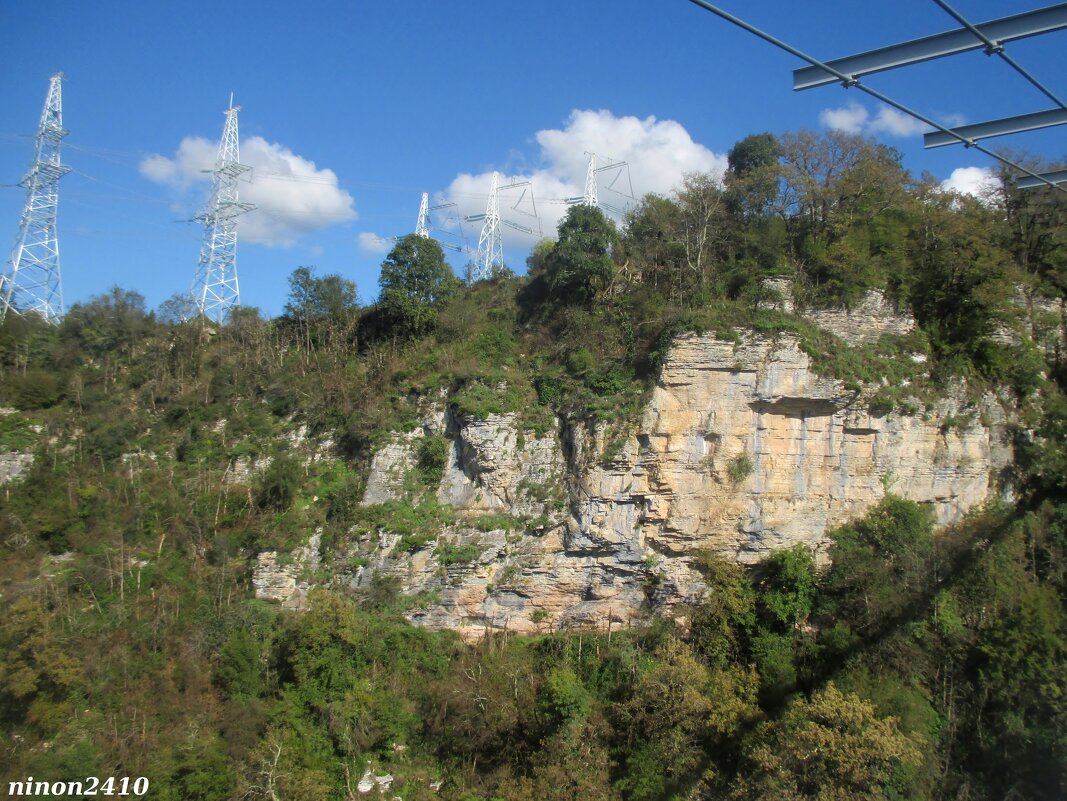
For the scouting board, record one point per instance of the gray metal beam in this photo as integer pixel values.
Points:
(1001, 127)
(1019, 26)
(1029, 182)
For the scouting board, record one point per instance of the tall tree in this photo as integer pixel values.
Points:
(752, 176)
(581, 262)
(831, 747)
(415, 280)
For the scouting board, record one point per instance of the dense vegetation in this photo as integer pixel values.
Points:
(918, 665)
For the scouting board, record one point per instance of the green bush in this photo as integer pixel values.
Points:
(279, 485)
(739, 468)
(432, 457)
(33, 389)
(15, 433)
(448, 554)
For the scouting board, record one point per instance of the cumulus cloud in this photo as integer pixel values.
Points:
(856, 119)
(848, 119)
(896, 123)
(373, 243)
(292, 195)
(974, 181)
(659, 153)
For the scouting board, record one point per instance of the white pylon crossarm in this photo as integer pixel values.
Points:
(31, 279)
(215, 287)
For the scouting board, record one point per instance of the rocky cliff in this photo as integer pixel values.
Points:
(741, 449)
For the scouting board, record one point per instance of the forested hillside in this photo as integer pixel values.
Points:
(917, 663)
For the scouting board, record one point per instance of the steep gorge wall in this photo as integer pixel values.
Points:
(742, 449)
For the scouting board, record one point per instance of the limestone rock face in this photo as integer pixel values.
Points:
(281, 580)
(741, 450)
(13, 465)
(865, 323)
(390, 465)
(495, 466)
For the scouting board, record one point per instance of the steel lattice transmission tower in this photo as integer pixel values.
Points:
(422, 227)
(31, 281)
(489, 260)
(590, 197)
(490, 257)
(215, 290)
(621, 172)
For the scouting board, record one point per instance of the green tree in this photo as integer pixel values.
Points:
(1022, 679)
(651, 246)
(964, 288)
(321, 308)
(1034, 226)
(279, 485)
(666, 719)
(831, 747)
(581, 262)
(702, 226)
(879, 563)
(108, 324)
(752, 176)
(312, 298)
(240, 668)
(726, 615)
(844, 194)
(787, 589)
(415, 281)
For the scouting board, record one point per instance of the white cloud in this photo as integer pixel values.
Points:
(974, 181)
(848, 119)
(856, 119)
(896, 123)
(659, 154)
(292, 196)
(373, 243)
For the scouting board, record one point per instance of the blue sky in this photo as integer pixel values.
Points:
(351, 109)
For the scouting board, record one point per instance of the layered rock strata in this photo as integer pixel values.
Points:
(742, 449)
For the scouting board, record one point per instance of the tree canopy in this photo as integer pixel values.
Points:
(414, 281)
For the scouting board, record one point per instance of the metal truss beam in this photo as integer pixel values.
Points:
(1001, 127)
(1030, 182)
(851, 81)
(1006, 29)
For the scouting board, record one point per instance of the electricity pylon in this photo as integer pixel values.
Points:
(489, 259)
(490, 256)
(422, 227)
(31, 280)
(215, 290)
(590, 197)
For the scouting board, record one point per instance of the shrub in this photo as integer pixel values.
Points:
(432, 456)
(34, 389)
(739, 468)
(448, 554)
(279, 484)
